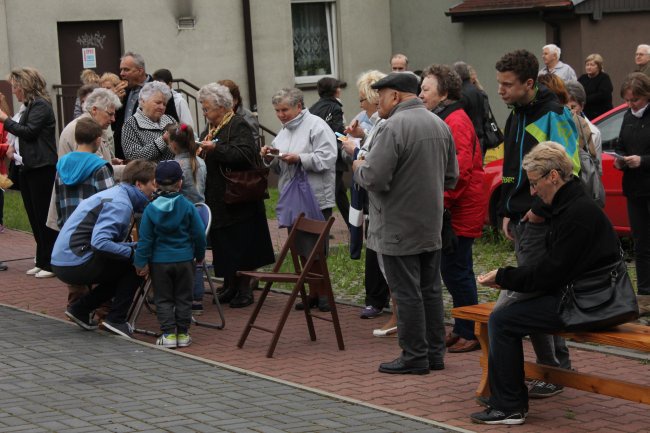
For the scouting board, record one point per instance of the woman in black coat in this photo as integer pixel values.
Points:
(598, 87)
(35, 132)
(634, 144)
(580, 239)
(239, 235)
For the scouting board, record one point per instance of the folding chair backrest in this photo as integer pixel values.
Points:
(307, 238)
(206, 216)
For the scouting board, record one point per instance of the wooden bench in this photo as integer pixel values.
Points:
(629, 336)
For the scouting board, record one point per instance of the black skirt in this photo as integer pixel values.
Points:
(243, 246)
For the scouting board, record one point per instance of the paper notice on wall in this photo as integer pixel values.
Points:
(89, 58)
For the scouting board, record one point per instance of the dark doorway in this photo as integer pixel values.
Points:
(95, 45)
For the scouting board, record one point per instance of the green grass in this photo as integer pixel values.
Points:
(15, 216)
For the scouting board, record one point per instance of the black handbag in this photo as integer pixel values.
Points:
(599, 299)
(243, 186)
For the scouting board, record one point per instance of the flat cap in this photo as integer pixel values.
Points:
(401, 81)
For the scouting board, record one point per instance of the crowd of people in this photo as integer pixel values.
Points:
(131, 157)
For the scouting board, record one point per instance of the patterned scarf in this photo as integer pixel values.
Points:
(214, 130)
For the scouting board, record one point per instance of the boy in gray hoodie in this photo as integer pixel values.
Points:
(171, 236)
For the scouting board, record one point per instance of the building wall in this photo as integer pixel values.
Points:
(422, 31)
(630, 30)
(214, 50)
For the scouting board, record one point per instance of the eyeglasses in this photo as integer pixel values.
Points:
(533, 183)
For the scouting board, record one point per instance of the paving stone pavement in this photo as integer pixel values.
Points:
(445, 396)
(55, 378)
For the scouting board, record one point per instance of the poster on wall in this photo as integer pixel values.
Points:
(89, 58)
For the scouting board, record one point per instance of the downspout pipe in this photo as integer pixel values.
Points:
(250, 64)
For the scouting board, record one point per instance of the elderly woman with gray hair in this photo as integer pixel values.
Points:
(240, 233)
(304, 139)
(142, 134)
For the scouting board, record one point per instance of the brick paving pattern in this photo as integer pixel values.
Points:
(445, 396)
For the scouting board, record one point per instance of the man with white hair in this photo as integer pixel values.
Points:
(553, 65)
(642, 59)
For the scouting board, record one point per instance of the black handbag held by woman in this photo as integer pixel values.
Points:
(599, 299)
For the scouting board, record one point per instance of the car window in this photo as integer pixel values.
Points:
(610, 127)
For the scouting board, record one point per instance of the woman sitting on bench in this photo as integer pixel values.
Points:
(580, 239)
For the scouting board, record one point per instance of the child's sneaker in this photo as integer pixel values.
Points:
(197, 309)
(183, 340)
(167, 340)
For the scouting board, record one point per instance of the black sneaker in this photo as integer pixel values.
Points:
(540, 389)
(493, 416)
(485, 402)
(123, 329)
(81, 319)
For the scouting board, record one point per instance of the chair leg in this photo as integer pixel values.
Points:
(335, 316)
(307, 310)
(140, 299)
(256, 311)
(285, 315)
(216, 301)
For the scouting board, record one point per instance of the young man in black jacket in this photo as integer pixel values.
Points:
(536, 117)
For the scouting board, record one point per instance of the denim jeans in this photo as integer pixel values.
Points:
(199, 290)
(639, 211)
(457, 271)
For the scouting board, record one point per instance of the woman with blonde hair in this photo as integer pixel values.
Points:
(35, 130)
(580, 240)
(364, 127)
(598, 87)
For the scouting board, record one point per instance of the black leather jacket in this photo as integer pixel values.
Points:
(35, 132)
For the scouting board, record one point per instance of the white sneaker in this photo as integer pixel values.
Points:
(33, 271)
(44, 274)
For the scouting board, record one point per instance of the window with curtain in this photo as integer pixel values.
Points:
(314, 40)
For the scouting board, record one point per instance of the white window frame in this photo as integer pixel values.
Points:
(330, 18)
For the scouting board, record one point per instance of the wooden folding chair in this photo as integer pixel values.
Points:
(310, 268)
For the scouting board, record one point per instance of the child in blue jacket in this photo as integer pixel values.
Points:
(171, 236)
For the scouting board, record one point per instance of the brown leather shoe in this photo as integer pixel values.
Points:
(463, 345)
(451, 339)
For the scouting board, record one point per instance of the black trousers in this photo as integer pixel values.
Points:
(36, 190)
(115, 279)
(377, 292)
(639, 212)
(506, 328)
(417, 288)
(341, 198)
(173, 295)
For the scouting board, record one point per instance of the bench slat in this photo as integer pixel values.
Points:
(589, 382)
(628, 335)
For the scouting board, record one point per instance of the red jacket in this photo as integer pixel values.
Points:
(467, 202)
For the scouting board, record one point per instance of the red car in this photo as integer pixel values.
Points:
(615, 202)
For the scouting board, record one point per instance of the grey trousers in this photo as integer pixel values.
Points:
(530, 245)
(416, 286)
(174, 284)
